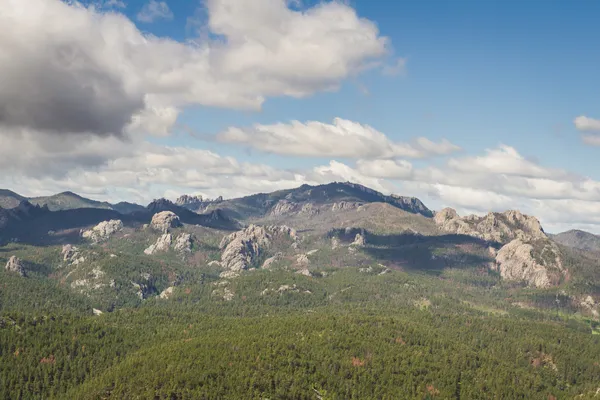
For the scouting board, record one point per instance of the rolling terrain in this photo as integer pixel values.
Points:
(304, 293)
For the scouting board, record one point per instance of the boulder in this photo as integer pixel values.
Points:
(104, 230)
(164, 221)
(359, 240)
(165, 294)
(15, 265)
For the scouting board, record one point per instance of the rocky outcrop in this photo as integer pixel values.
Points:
(283, 207)
(241, 250)
(103, 231)
(517, 261)
(270, 261)
(164, 221)
(187, 199)
(526, 253)
(359, 240)
(305, 272)
(302, 259)
(162, 245)
(345, 206)
(183, 243)
(335, 243)
(493, 227)
(165, 294)
(71, 255)
(15, 265)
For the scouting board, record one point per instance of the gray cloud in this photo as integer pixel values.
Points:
(71, 69)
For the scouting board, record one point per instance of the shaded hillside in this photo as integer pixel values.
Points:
(125, 207)
(306, 199)
(578, 239)
(68, 201)
(65, 201)
(10, 199)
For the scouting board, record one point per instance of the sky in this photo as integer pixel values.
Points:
(476, 105)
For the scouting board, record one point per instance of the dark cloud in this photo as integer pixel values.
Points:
(64, 90)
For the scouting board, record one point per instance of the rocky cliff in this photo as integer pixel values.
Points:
(526, 253)
(242, 249)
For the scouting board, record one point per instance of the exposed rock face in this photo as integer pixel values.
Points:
(527, 254)
(494, 227)
(305, 272)
(283, 207)
(302, 259)
(345, 206)
(164, 221)
(269, 261)
(241, 249)
(103, 230)
(71, 255)
(15, 265)
(162, 244)
(183, 243)
(165, 294)
(335, 243)
(186, 199)
(515, 261)
(359, 240)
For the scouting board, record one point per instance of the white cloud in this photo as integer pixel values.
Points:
(504, 160)
(337, 171)
(67, 68)
(584, 123)
(343, 138)
(390, 169)
(154, 10)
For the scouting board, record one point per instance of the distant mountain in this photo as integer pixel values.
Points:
(65, 201)
(10, 199)
(127, 208)
(578, 239)
(213, 219)
(68, 201)
(336, 195)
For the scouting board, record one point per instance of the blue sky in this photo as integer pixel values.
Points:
(479, 73)
(481, 117)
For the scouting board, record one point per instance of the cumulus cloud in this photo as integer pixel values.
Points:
(390, 169)
(504, 160)
(342, 138)
(154, 10)
(584, 123)
(71, 69)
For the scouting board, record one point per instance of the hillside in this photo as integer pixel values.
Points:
(578, 239)
(68, 201)
(10, 199)
(65, 201)
(313, 292)
(308, 199)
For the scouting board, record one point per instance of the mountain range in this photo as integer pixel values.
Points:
(290, 268)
